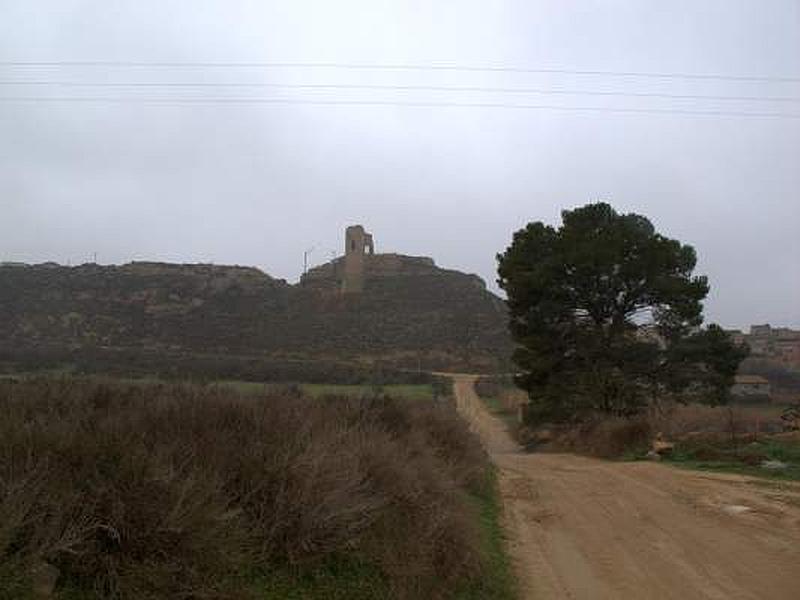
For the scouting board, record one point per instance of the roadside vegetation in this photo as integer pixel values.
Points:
(185, 491)
(743, 438)
(773, 458)
(613, 356)
(503, 399)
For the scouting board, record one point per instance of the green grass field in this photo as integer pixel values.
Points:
(743, 460)
(410, 391)
(336, 579)
(315, 390)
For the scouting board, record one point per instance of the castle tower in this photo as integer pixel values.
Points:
(358, 245)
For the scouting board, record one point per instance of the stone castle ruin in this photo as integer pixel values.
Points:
(362, 270)
(383, 306)
(358, 245)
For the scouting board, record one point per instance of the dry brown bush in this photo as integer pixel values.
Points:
(610, 437)
(679, 421)
(174, 491)
(502, 390)
(511, 399)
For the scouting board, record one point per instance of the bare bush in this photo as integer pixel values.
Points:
(693, 420)
(175, 491)
(609, 437)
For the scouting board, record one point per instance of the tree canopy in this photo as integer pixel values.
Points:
(607, 316)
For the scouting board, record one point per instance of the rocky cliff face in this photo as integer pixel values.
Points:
(410, 310)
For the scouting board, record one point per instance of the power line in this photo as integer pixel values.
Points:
(499, 105)
(429, 88)
(398, 67)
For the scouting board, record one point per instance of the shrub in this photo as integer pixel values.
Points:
(606, 437)
(491, 387)
(177, 365)
(153, 491)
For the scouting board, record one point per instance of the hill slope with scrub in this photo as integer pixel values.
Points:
(411, 314)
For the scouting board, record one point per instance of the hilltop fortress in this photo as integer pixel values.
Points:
(361, 306)
(358, 245)
(362, 271)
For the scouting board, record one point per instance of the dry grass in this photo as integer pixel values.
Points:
(502, 395)
(614, 437)
(607, 437)
(680, 421)
(173, 491)
(511, 398)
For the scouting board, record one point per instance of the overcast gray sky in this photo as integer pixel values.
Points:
(258, 183)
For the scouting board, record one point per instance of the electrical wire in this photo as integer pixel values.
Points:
(398, 67)
(427, 88)
(497, 105)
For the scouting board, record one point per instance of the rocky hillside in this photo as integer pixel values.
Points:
(411, 312)
(408, 306)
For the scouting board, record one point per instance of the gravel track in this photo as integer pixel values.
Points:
(584, 528)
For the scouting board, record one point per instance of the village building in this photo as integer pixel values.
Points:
(738, 336)
(788, 352)
(780, 344)
(751, 386)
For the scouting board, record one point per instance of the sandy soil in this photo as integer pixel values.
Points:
(586, 528)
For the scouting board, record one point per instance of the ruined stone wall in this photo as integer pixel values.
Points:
(358, 246)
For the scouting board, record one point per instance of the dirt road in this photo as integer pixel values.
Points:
(585, 528)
